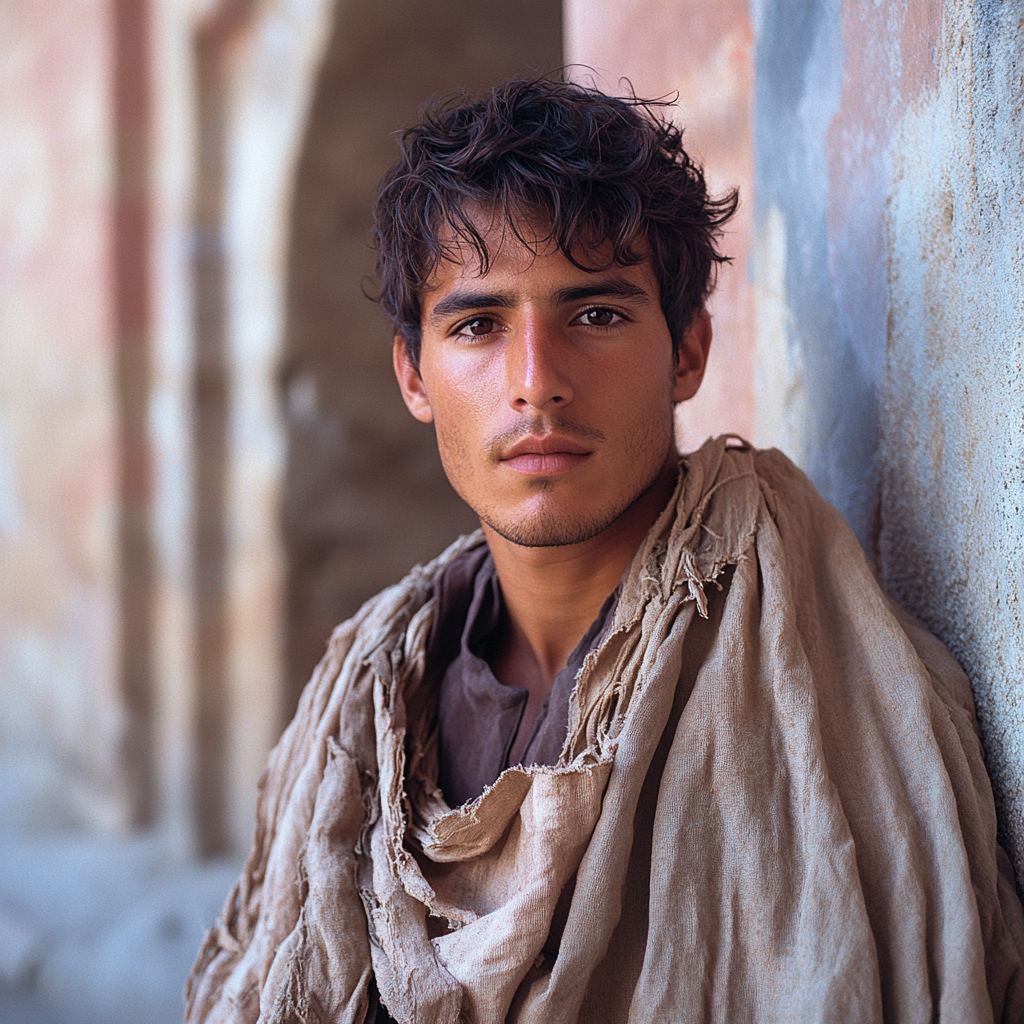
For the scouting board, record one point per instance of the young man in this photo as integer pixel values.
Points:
(652, 745)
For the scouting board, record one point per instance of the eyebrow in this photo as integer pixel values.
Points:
(464, 302)
(612, 287)
(467, 301)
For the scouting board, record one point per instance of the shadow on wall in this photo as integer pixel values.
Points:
(365, 495)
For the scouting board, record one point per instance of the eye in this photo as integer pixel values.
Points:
(599, 316)
(477, 327)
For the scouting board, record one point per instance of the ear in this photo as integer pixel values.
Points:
(411, 383)
(692, 360)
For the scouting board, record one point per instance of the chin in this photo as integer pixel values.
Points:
(550, 527)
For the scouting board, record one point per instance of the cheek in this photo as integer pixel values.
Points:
(460, 433)
(464, 403)
(456, 461)
(642, 411)
(638, 390)
(450, 442)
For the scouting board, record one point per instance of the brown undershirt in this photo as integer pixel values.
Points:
(478, 716)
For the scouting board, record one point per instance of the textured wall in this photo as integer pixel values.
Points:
(951, 545)
(60, 719)
(271, 71)
(102, 198)
(890, 328)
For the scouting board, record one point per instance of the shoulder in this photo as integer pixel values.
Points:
(732, 481)
(729, 457)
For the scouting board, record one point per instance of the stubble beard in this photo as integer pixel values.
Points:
(549, 527)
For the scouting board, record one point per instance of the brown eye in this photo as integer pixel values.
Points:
(599, 317)
(478, 326)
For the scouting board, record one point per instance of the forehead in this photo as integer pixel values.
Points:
(522, 260)
(495, 236)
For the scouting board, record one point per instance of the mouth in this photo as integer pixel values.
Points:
(548, 455)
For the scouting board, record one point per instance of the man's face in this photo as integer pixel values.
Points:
(551, 388)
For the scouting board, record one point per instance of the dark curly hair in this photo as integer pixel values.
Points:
(591, 168)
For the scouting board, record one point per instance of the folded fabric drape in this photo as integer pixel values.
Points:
(771, 806)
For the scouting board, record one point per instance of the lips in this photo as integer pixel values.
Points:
(545, 456)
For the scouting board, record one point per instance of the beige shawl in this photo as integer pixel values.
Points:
(771, 806)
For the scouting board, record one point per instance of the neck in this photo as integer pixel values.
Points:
(553, 594)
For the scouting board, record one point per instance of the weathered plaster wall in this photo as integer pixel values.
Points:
(232, 84)
(703, 52)
(951, 544)
(60, 719)
(889, 279)
(170, 421)
(76, 220)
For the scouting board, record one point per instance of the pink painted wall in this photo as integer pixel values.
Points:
(59, 716)
(705, 52)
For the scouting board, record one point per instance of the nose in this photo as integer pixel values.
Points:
(538, 378)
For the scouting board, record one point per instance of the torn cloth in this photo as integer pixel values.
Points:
(777, 812)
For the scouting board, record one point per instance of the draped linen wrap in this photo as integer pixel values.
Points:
(771, 806)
